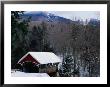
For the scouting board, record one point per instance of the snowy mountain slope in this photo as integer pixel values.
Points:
(45, 16)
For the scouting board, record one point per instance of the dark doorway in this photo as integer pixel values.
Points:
(30, 67)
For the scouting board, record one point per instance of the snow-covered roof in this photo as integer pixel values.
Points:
(43, 57)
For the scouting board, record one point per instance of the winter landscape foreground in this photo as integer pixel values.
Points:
(15, 73)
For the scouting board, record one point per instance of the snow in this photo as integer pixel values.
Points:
(43, 57)
(23, 74)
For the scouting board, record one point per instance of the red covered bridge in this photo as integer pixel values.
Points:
(40, 62)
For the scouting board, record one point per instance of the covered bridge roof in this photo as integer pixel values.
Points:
(43, 57)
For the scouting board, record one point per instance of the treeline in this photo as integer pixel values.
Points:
(82, 56)
(77, 44)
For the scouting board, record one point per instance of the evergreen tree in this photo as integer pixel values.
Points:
(66, 67)
(18, 36)
(38, 39)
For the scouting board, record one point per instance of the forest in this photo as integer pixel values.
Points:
(75, 42)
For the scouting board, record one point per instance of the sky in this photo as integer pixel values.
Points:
(75, 14)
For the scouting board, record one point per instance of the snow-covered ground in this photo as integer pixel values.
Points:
(23, 74)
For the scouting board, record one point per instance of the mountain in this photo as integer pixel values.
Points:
(45, 16)
(58, 28)
(94, 22)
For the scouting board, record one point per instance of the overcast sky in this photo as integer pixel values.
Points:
(78, 14)
(74, 14)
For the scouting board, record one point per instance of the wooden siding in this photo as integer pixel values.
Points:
(29, 58)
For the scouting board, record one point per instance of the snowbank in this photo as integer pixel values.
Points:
(23, 74)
